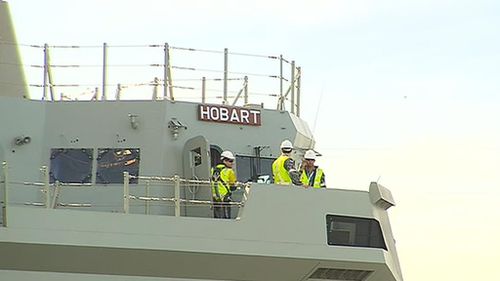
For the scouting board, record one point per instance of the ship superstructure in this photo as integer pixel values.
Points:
(109, 188)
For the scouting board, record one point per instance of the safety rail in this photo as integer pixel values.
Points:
(50, 202)
(176, 180)
(51, 192)
(234, 83)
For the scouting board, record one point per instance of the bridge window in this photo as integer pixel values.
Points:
(71, 165)
(112, 162)
(353, 231)
(254, 169)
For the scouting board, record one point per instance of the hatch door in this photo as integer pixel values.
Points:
(196, 165)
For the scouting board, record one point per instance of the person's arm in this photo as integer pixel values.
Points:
(231, 179)
(294, 174)
(323, 181)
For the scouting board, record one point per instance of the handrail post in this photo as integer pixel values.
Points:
(96, 94)
(167, 73)
(280, 100)
(224, 101)
(245, 91)
(46, 186)
(148, 183)
(118, 91)
(177, 190)
(299, 76)
(203, 85)
(57, 190)
(126, 192)
(292, 88)
(45, 70)
(156, 82)
(104, 69)
(5, 193)
(49, 74)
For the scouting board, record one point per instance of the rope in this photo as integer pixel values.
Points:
(144, 46)
(196, 50)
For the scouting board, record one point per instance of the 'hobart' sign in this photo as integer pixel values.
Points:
(225, 114)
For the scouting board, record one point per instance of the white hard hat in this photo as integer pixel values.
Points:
(227, 154)
(286, 144)
(310, 154)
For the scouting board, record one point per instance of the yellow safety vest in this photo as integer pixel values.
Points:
(317, 179)
(223, 181)
(280, 174)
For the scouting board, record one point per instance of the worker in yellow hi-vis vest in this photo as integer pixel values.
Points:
(284, 170)
(223, 183)
(312, 175)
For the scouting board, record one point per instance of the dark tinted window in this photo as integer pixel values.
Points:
(215, 152)
(73, 165)
(112, 162)
(352, 231)
(255, 169)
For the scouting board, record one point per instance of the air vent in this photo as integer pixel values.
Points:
(340, 274)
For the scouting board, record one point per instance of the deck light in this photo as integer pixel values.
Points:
(22, 140)
(174, 125)
(134, 123)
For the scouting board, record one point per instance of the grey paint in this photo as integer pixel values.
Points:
(279, 234)
(274, 231)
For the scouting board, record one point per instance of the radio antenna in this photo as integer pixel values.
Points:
(317, 109)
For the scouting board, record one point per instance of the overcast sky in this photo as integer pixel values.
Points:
(406, 92)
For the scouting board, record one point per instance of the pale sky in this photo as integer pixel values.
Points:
(406, 92)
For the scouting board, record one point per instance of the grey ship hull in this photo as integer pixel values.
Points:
(265, 243)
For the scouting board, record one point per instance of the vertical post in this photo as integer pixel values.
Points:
(299, 76)
(177, 190)
(126, 192)
(165, 70)
(118, 91)
(281, 82)
(203, 85)
(46, 186)
(224, 101)
(281, 98)
(245, 90)
(167, 73)
(49, 74)
(45, 70)
(155, 88)
(5, 192)
(104, 68)
(147, 195)
(57, 190)
(292, 88)
(96, 95)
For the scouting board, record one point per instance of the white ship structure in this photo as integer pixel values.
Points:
(105, 187)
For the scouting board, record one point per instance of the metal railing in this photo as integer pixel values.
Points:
(51, 192)
(160, 69)
(177, 200)
(50, 197)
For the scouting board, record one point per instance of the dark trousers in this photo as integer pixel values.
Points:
(222, 210)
